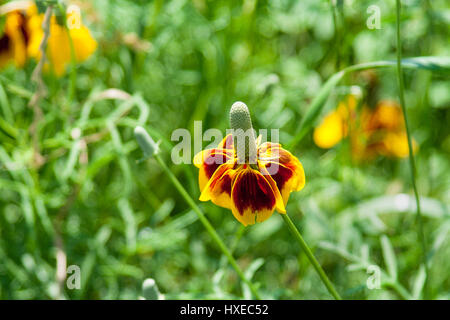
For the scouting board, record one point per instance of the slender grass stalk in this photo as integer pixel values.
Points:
(238, 235)
(311, 257)
(73, 68)
(207, 225)
(399, 289)
(337, 39)
(421, 234)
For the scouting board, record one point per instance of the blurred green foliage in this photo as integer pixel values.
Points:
(181, 61)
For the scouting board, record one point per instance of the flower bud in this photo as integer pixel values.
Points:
(243, 135)
(148, 146)
(150, 290)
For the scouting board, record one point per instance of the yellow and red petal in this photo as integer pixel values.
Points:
(290, 168)
(208, 161)
(218, 188)
(285, 178)
(253, 198)
(291, 162)
(279, 204)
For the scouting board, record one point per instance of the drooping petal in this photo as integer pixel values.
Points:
(13, 40)
(208, 161)
(387, 115)
(83, 43)
(330, 131)
(335, 125)
(218, 188)
(284, 177)
(58, 48)
(279, 203)
(285, 168)
(34, 27)
(395, 144)
(253, 199)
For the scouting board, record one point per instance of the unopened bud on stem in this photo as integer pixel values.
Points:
(148, 146)
(150, 290)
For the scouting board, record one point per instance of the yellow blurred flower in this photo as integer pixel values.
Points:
(377, 131)
(24, 31)
(59, 46)
(335, 125)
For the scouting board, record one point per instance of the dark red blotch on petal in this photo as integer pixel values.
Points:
(214, 160)
(279, 173)
(4, 43)
(224, 183)
(251, 190)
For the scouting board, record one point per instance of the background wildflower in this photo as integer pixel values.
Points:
(14, 40)
(372, 131)
(59, 42)
(23, 34)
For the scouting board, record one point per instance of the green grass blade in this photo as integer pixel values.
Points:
(389, 257)
(412, 165)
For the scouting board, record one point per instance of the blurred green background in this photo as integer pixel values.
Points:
(122, 221)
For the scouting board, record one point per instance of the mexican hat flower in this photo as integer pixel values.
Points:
(59, 42)
(23, 34)
(250, 178)
(372, 131)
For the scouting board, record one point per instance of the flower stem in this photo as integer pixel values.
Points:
(311, 257)
(207, 226)
(401, 86)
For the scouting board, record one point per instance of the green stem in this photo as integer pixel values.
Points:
(311, 257)
(207, 225)
(73, 69)
(337, 40)
(233, 244)
(398, 288)
(401, 86)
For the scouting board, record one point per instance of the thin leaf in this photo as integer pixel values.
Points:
(389, 257)
(419, 283)
(249, 273)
